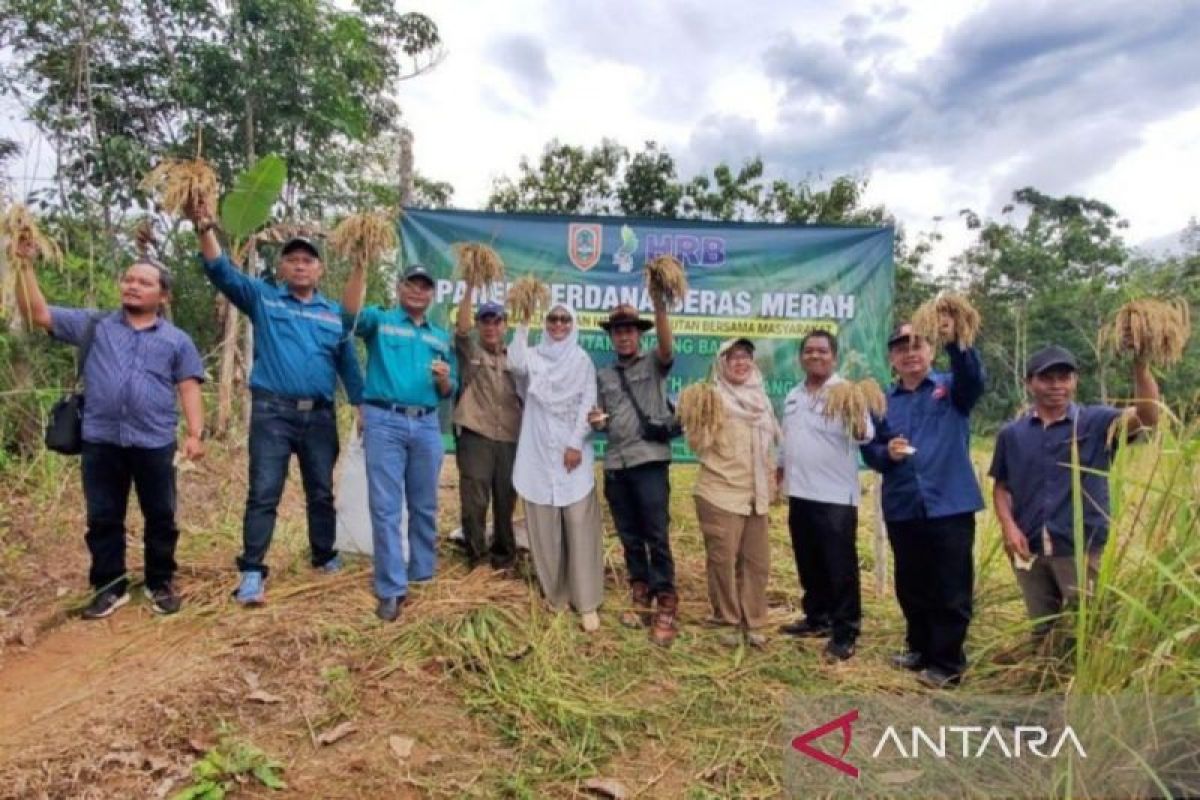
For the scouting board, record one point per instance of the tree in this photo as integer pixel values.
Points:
(566, 179)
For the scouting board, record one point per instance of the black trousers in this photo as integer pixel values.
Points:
(935, 576)
(824, 545)
(485, 469)
(639, 498)
(108, 473)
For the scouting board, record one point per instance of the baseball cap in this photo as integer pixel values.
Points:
(1049, 357)
(300, 243)
(490, 309)
(417, 271)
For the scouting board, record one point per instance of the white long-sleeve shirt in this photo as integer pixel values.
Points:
(818, 457)
(538, 473)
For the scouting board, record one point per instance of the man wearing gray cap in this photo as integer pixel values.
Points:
(299, 355)
(487, 420)
(1033, 468)
(409, 372)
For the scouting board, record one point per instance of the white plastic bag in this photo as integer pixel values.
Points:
(353, 506)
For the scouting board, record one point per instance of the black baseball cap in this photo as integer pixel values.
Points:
(901, 333)
(1048, 358)
(298, 243)
(418, 272)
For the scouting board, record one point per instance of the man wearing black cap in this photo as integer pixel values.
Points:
(487, 420)
(633, 409)
(300, 353)
(929, 498)
(409, 372)
(1033, 468)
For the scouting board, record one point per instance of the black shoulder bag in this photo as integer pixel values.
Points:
(661, 430)
(64, 427)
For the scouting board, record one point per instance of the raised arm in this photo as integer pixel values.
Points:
(462, 320)
(31, 303)
(518, 351)
(355, 291)
(1145, 397)
(966, 377)
(662, 327)
(349, 370)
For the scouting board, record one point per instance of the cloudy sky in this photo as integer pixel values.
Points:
(941, 105)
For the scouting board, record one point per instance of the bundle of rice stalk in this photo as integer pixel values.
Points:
(849, 402)
(1156, 330)
(666, 279)
(927, 321)
(702, 415)
(478, 264)
(179, 184)
(527, 299)
(20, 229)
(363, 239)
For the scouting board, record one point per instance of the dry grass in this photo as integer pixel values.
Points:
(851, 401)
(178, 185)
(666, 279)
(478, 264)
(363, 239)
(1150, 329)
(21, 234)
(528, 298)
(701, 414)
(930, 318)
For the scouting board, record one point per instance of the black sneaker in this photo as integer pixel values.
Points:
(909, 660)
(806, 629)
(105, 603)
(839, 651)
(163, 600)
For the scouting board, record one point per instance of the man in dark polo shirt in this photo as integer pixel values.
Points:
(1033, 470)
(930, 496)
(487, 419)
(300, 352)
(136, 364)
(632, 398)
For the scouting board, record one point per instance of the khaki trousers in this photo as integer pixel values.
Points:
(1051, 586)
(567, 552)
(738, 563)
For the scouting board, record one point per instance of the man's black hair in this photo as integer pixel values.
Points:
(823, 334)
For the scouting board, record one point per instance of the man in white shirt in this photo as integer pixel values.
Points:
(818, 468)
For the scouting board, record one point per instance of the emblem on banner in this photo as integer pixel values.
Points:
(584, 242)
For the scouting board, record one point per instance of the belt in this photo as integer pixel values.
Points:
(298, 403)
(396, 408)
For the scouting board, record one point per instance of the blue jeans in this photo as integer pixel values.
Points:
(277, 431)
(404, 457)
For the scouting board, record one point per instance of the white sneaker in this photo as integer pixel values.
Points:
(590, 621)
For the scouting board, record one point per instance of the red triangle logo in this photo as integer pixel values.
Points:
(842, 723)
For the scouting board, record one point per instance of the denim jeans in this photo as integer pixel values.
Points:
(404, 457)
(276, 431)
(108, 473)
(640, 500)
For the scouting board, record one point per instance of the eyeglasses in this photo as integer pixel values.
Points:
(561, 319)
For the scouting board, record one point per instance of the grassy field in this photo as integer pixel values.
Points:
(481, 692)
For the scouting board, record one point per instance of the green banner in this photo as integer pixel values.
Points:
(768, 283)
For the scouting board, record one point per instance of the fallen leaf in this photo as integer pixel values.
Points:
(899, 776)
(251, 679)
(200, 746)
(402, 746)
(337, 734)
(61, 592)
(28, 637)
(266, 698)
(606, 787)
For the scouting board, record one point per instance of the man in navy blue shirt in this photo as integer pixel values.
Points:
(137, 363)
(1033, 468)
(930, 497)
(300, 353)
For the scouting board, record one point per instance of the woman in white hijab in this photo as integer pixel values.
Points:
(733, 494)
(553, 469)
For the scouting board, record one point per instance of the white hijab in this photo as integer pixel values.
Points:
(556, 371)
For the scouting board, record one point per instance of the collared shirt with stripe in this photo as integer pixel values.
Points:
(400, 356)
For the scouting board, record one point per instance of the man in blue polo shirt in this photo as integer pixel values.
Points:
(410, 369)
(136, 363)
(300, 352)
(930, 497)
(1033, 470)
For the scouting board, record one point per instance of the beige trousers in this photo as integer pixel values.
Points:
(567, 552)
(738, 563)
(1051, 586)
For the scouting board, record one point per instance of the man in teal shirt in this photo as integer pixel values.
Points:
(409, 371)
(300, 353)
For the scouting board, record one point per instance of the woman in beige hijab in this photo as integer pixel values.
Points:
(733, 494)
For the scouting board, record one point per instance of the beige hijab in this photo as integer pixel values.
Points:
(749, 402)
